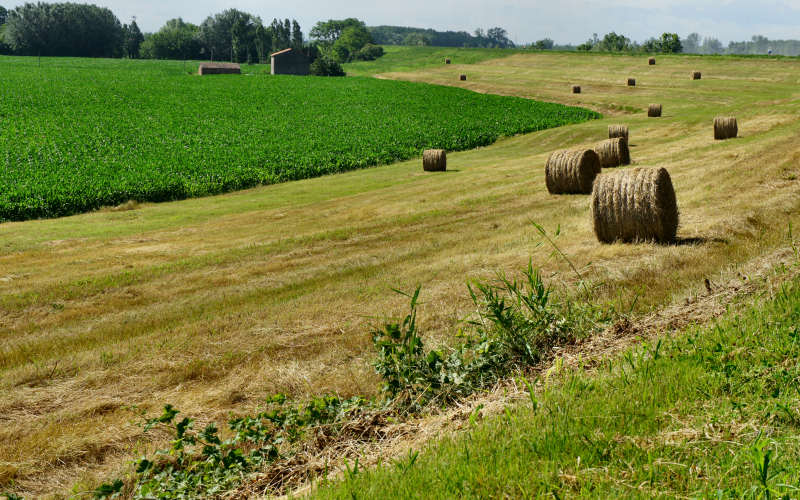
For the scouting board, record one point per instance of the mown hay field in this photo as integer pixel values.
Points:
(76, 135)
(213, 303)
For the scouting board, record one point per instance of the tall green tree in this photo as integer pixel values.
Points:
(3, 15)
(297, 36)
(63, 29)
(175, 40)
(230, 34)
(132, 40)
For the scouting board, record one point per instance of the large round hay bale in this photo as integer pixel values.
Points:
(576, 89)
(613, 152)
(654, 110)
(463, 78)
(725, 127)
(636, 204)
(434, 160)
(651, 61)
(696, 75)
(631, 82)
(447, 61)
(571, 171)
(615, 131)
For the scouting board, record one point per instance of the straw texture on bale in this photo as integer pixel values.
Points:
(615, 131)
(447, 61)
(635, 205)
(631, 82)
(434, 160)
(463, 78)
(613, 152)
(654, 110)
(571, 171)
(696, 75)
(725, 127)
(576, 89)
(651, 61)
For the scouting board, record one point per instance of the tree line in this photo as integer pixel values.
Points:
(398, 35)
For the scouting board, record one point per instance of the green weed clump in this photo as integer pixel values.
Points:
(78, 134)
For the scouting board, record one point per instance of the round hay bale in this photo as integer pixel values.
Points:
(696, 75)
(463, 78)
(613, 152)
(576, 89)
(631, 82)
(651, 61)
(571, 171)
(654, 110)
(434, 160)
(447, 61)
(637, 204)
(725, 127)
(615, 131)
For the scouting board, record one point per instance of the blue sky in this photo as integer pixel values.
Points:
(526, 20)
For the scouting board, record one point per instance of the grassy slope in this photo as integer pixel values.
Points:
(401, 58)
(711, 413)
(212, 303)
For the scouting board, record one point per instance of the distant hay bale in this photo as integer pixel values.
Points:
(631, 82)
(613, 152)
(696, 75)
(219, 69)
(434, 160)
(447, 61)
(615, 131)
(651, 61)
(576, 89)
(654, 110)
(637, 204)
(571, 171)
(463, 78)
(725, 127)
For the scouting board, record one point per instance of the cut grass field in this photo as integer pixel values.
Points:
(211, 304)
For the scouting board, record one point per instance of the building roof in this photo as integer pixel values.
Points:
(280, 52)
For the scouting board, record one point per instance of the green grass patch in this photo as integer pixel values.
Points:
(403, 58)
(713, 413)
(79, 134)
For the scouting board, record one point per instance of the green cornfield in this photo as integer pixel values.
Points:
(80, 134)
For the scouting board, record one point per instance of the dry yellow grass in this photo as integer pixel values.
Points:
(211, 304)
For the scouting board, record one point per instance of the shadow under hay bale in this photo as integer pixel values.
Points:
(631, 82)
(651, 61)
(219, 69)
(696, 75)
(635, 205)
(725, 127)
(654, 110)
(576, 89)
(434, 160)
(615, 131)
(613, 152)
(463, 78)
(571, 171)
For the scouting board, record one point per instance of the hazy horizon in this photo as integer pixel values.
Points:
(568, 21)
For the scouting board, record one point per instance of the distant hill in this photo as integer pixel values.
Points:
(399, 35)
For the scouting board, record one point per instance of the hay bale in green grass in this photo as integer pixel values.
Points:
(725, 127)
(696, 75)
(447, 61)
(434, 160)
(654, 110)
(613, 152)
(631, 82)
(615, 131)
(576, 89)
(463, 78)
(636, 204)
(571, 171)
(651, 61)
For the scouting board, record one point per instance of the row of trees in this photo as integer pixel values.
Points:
(398, 35)
(668, 43)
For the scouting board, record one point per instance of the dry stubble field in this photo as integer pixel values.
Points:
(211, 304)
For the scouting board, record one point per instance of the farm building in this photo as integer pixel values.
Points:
(289, 62)
(219, 69)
